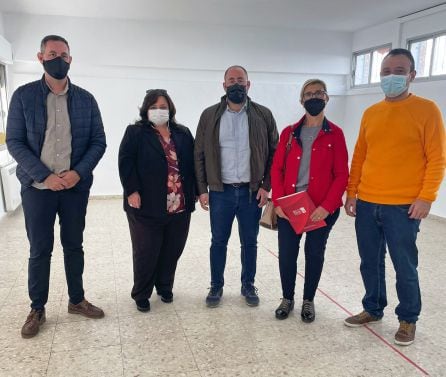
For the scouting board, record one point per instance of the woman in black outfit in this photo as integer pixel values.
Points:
(156, 168)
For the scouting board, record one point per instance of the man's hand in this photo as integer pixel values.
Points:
(134, 200)
(262, 195)
(70, 177)
(55, 183)
(280, 213)
(419, 209)
(320, 213)
(350, 207)
(204, 201)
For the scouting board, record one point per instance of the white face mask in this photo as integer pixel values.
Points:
(158, 116)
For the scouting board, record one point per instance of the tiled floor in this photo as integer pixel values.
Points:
(186, 338)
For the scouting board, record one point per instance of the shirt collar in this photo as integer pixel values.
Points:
(244, 107)
(63, 92)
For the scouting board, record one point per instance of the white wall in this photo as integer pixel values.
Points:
(118, 60)
(359, 99)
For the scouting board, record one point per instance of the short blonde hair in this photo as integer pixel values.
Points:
(311, 82)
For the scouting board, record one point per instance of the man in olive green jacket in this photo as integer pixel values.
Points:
(234, 147)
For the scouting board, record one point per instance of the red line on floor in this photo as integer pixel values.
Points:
(396, 350)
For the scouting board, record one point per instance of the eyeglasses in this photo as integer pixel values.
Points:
(318, 94)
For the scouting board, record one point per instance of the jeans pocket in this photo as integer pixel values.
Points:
(402, 208)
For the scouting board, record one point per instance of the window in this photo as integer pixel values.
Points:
(429, 53)
(367, 65)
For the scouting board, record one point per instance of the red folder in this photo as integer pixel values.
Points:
(298, 207)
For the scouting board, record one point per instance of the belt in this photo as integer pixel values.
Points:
(238, 185)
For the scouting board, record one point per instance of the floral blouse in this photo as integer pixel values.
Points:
(175, 196)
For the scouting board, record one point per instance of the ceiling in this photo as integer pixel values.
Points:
(336, 15)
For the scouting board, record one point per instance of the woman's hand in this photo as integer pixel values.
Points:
(280, 213)
(319, 214)
(134, 200)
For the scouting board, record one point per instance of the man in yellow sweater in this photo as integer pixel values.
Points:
(396, 171)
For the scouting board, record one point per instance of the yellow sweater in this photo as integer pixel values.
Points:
(400, 154)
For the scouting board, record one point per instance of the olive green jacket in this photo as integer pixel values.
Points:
(263, 138)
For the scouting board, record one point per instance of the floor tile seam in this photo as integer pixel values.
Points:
(82, 347)
(187, 341)
(51, 346)
(381, 338)
(119, 314)
(264, 363)
(96, 347)
(15, 280)
(55, 328)
(120, 338)
(52, 352)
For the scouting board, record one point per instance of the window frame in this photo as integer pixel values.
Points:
(422, 38)
(3, 103)
(355, 55)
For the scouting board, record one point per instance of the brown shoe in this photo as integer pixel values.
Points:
(86, 309)
(405, 334)
(361, 319)
(32, 324)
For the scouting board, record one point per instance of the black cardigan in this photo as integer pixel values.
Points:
(143, 167)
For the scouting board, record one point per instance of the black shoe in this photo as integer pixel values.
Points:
(143, 305)
(166, 297)
(284, 308)
(250, 293)
(308, 314)
(214, 296)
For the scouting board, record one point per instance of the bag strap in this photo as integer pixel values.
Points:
(288, 144)
(288, 147)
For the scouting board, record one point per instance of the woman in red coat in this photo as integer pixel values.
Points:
(315, 161)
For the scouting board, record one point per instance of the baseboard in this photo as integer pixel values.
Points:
(104, 197)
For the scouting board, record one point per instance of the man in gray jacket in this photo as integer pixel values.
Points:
(234, 147)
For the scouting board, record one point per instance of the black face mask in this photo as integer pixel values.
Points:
(57, 68)
(236, 93)
(314, 106)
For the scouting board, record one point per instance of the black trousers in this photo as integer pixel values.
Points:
(315, 242)
(40, 208)
(157, 245)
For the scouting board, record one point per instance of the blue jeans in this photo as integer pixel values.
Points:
(224, 207)
(40, 208)
(378, 226)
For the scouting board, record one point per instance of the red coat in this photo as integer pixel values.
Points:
(328, 174)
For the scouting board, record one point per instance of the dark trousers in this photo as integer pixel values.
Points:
(315, 242)
(40, 208)
(157, 246)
